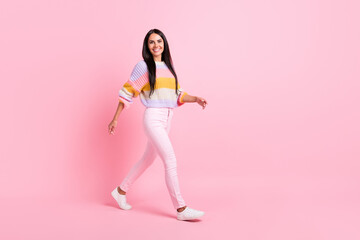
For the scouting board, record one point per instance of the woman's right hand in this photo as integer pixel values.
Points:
(112, 127)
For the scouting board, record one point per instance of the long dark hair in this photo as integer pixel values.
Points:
(149, 59)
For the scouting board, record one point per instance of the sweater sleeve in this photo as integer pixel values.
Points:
(180, 96)
(132, 88)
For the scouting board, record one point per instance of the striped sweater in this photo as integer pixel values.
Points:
(164, 91)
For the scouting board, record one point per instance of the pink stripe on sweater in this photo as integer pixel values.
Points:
(162, 72)
(139, 83)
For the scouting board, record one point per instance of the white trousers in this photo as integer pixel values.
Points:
(157, 123)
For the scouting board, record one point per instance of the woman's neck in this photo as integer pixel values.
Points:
(158, 59)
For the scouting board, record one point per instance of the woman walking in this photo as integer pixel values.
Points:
(155, 80)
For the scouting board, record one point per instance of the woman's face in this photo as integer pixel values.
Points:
(156, 46)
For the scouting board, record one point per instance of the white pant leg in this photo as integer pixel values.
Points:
(157, 126)
(139, 167)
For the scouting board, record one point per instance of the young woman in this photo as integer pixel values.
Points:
(155, 80)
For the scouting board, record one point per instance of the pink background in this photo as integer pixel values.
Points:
(275, 155)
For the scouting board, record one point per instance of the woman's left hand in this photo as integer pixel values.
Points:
(201, 101)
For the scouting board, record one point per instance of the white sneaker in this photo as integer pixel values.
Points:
(189, 214)
(120, 199)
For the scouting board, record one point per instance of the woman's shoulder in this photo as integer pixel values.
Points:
(141, 66)
(139, 70)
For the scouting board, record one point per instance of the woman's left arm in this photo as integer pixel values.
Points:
(201, 101)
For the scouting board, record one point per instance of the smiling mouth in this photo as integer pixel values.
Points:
(156, 50)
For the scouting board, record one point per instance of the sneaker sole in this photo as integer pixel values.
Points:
(182, 219)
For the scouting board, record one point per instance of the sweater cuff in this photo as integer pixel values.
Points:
(180, 98)
(125, 102)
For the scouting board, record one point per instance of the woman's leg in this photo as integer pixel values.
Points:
(139, 167)
(157, 126)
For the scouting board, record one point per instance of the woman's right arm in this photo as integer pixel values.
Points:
(113, 123)
(131, 89)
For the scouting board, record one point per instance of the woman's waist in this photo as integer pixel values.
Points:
(159, 109)
(156, 115)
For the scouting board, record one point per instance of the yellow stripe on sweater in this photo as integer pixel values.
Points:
(162, 82)
(131, 90)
